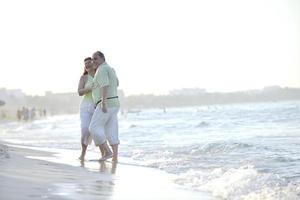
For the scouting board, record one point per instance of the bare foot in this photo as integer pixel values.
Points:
(81, 158)
(82, 163)
(115, 159)
(107, 156)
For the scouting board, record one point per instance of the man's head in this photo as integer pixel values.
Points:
(98, 58)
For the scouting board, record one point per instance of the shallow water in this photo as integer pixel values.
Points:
(242, 151)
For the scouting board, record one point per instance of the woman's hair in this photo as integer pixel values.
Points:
(85, 72)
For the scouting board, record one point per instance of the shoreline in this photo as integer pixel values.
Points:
(27, 173)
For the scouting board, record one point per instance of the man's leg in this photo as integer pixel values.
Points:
(102, 151)
(96, 128)
(107, 153)
(115, 152)
(112, 132)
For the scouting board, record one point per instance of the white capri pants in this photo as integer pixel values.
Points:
(86, 113)
(104, 126)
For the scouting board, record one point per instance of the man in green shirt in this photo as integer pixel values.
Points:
(104, 123)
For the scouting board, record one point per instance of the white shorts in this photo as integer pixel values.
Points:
(86, 113)
(104, 126)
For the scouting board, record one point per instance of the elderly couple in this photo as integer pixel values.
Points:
(99, 107)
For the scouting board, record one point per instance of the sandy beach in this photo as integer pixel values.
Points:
(26, 174)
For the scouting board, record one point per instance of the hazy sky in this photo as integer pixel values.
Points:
(155, 46)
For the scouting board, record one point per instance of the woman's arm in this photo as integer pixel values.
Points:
(81, 89)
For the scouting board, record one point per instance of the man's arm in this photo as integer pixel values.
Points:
(104, 97)
(104, 83)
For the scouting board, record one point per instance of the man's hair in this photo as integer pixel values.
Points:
(100, 54)
(87, 58)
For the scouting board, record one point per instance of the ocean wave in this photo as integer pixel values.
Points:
(218, 147)
(244, 183)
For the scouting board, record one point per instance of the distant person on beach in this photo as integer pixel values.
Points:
(32, 113)
(104, 123)
(19, 115)
(85, 87)
(25, 112)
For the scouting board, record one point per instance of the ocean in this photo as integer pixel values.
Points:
(237, 151)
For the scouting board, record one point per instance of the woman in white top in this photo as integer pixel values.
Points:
(87, 106)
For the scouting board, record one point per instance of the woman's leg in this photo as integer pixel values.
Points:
(86, 113)
(83, 151)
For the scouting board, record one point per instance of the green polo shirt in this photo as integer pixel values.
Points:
(106, 76)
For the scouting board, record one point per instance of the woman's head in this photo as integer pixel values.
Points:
(88, 65)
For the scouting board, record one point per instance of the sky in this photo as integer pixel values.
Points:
(155, 46)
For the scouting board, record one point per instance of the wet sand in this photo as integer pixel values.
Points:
(34, 174)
